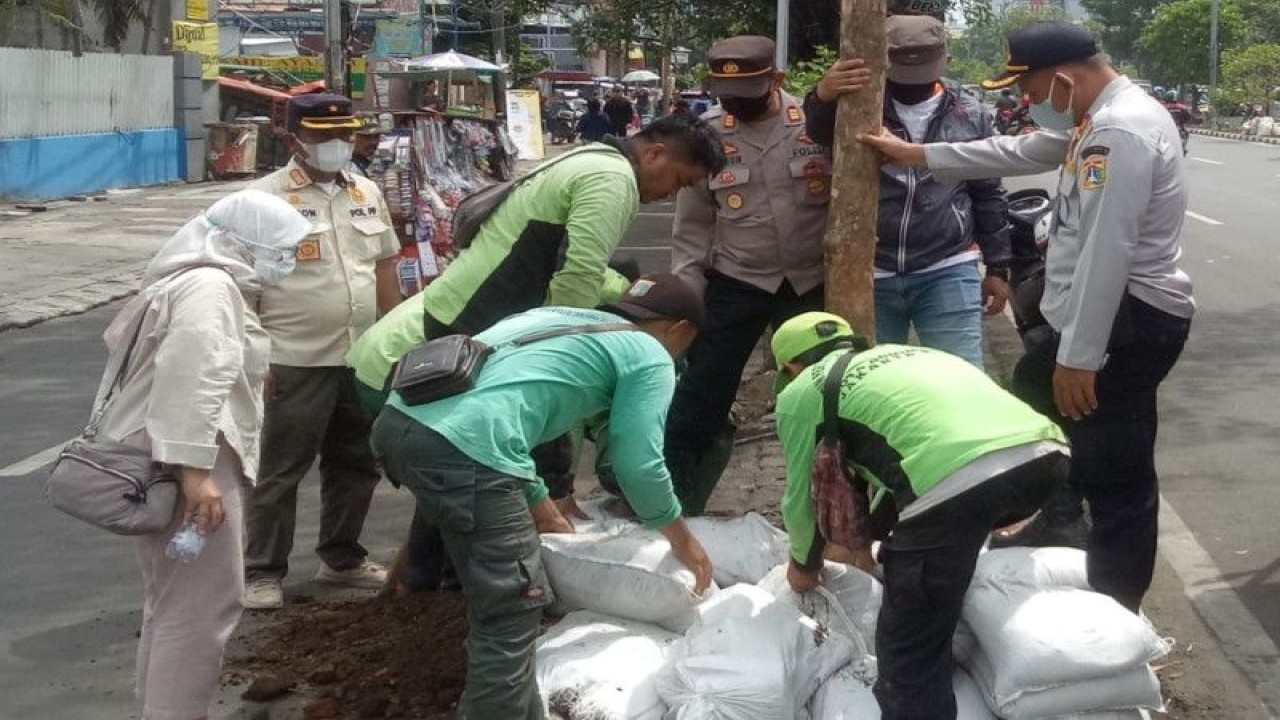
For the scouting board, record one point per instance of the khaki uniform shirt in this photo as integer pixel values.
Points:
(761, 220)
(315, 314)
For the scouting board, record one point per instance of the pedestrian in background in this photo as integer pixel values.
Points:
(620, 111)
(593, 126)
(1119, 304)
(931, 233)
(750, 240)
(193, 394)
(345, 276)
(366, 142)
(467, 460)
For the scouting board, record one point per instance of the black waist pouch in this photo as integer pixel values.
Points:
(439, 368)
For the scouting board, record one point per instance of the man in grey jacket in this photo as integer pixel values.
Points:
(931, 232)
(1119, 304)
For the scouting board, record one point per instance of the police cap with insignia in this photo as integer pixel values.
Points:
(741, 66)
(321, 111)
(1043, 45)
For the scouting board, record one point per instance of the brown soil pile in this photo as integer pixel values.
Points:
(386, 657)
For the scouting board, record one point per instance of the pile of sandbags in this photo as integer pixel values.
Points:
(1046, 647)
(847, 696)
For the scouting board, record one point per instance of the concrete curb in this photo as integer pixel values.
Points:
(1235, 136)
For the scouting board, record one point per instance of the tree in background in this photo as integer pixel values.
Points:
(980, 52)
(1250, 75)
(804, 75)
(1263, 20)
(1176, 41)
(28, 21)
(1120, 23)
(667, 23)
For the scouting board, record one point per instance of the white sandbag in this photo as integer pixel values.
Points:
(601, 520)
(1126, 690)
(1041, 639)
(857, 594)
(1266, 127)
(844, 696)
(1035, 567)
(742, 549)
(749, 656)
(630, 575)
(593, 667)
(963, 643)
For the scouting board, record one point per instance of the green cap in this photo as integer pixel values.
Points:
(803, 333)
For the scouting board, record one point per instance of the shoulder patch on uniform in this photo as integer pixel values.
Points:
(794, 116)
(1093, 172)
(1095, 150)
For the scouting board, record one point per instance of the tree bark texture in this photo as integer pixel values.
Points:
(850, 242)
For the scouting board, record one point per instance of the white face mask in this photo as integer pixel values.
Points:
(330, 156)
(1050, 118)
(271, 265)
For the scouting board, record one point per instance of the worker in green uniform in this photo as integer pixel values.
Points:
(926, 431)
(466, 460)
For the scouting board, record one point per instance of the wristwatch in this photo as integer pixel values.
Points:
(998, 271)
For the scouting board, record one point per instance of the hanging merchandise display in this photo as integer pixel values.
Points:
(425, 167)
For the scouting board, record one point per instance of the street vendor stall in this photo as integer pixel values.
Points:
(432, 159)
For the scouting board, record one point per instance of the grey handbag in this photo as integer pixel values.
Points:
(109, 484)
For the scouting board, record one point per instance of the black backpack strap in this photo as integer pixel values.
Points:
(831, 396)
(575, 330)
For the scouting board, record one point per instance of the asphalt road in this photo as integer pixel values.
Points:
(70, 596)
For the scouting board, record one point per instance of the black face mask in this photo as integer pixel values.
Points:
(911, 94)
(747, 109)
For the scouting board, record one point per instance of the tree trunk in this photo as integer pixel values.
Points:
(850, 242)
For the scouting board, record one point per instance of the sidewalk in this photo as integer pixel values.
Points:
(73, 256)
(1235, 136)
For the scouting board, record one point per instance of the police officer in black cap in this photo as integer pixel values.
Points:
(1118, 305)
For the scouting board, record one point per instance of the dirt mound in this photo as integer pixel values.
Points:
(385, 657)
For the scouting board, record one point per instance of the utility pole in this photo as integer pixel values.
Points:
(850, 242)
(499, 21)
(335, 55)
(1213, 57)
(782, 32)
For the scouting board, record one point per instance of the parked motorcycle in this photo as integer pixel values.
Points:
(1030, 214)
(1015, 122)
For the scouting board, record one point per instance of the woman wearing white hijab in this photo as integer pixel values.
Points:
(193, 394)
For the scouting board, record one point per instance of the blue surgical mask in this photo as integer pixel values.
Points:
(1046, 116)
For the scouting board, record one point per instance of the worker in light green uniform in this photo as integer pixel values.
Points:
(548, 243)
(466, 460)
(955, 454)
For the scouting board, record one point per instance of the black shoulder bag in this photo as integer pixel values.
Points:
(448, 366)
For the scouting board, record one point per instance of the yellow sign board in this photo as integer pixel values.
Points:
(307, 68)
(200, 39)
(198, 10)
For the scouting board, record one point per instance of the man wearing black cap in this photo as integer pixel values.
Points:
(466, 460)
(750, 238)
(345, 275)
(931, 233)
(1118, 303)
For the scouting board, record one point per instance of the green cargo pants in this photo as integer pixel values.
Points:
(489, 534)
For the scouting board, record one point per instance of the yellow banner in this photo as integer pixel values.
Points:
(307, 68)
(198, 10)
(200, 39)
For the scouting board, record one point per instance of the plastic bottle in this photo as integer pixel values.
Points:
(186, 544)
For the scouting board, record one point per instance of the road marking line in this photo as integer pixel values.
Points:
(635, 248)
(28, 465)
(1244, 640)
(1211, 162)
(1202, 218)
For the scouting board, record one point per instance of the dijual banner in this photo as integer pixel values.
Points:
(524, 123)
(200, 39)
